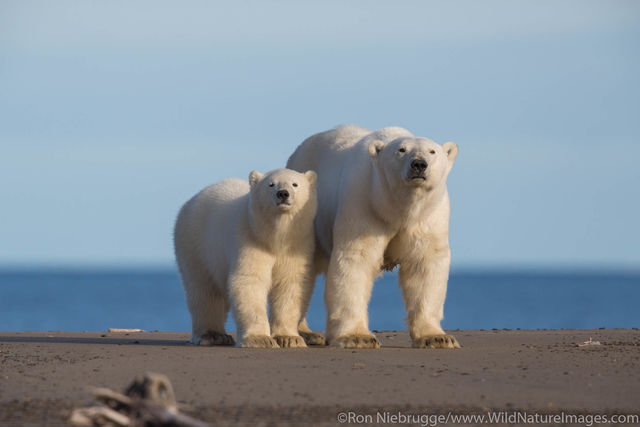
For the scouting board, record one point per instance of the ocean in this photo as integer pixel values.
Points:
(153, 299)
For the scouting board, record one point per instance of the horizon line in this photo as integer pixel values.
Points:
(461, 269)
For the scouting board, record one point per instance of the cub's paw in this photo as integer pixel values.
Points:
(289, 341)
(356, 341)
(214, 338)
(313, 338)
(436, 341)
(259, 341)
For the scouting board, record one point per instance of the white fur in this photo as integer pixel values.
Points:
(371, 215)
(237, 248)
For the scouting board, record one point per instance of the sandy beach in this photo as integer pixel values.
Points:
(43, 375)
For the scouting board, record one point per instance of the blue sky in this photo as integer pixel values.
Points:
(112, 114)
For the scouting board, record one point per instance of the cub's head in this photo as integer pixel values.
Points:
(283, 190)
(414, 162)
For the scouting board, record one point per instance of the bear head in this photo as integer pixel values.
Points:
(413, 162)
(283, 191)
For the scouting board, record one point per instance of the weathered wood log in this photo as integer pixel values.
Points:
(156, 387)
(148, 401)
(98, 416)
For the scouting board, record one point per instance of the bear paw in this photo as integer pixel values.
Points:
(214, 338)
(313, 338)
(357, 341)
(259, 341)
(289, 341)
(436, 341)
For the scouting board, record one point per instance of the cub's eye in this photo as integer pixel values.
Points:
(432, 151)
(402, 150)
(271, 185)
(295, 185)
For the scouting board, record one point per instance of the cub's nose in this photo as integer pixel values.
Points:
(282, 195)
(419, 165)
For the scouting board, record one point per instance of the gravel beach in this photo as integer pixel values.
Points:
(43, 375)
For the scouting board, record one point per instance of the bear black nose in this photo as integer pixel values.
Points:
(282, 194)
(419, 165)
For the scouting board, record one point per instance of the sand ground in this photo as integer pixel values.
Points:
(43, 375)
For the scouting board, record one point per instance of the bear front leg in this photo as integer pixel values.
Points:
(287, 301)
(353, 267)
(248, 287)
(424, 288)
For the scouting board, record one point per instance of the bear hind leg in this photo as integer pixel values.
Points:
(209, 308)
(309, 336)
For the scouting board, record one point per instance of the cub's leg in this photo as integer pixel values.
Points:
(249, 285)
(424, 288)
(208, 306)
(287, 301)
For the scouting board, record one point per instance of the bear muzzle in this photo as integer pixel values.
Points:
(284, 200)
(282, 195)
(417, 170)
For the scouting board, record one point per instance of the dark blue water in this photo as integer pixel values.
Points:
(153, 300)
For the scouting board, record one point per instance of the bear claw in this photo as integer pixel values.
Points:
(259, 341)
(313, 338)
(357, 341)
(289, 341)
(215, 338)
(436, 341)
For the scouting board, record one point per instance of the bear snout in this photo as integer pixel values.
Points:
(282, 195)
(418, 165)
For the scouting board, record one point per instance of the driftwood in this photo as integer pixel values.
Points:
(148, 401)
(588, 343)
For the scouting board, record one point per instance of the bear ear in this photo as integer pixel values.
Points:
(375, 147)
(312, 177)
(451, 150)
(254, 178)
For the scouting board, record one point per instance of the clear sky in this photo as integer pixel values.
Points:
(113, 113)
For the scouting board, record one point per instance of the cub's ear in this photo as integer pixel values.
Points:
(375, 147)
(312, 177)
(254, 178)
(451, 150)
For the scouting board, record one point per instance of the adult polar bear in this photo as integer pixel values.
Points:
(382, 201)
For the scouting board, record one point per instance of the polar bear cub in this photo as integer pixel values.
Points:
(383, 202)
(240, 245)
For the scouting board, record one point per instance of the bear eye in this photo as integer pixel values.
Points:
(402, 150)
(433, 151)
(271, 185)
(295, 184)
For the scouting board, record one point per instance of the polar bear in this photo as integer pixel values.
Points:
(239, 245)
(383, 202)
